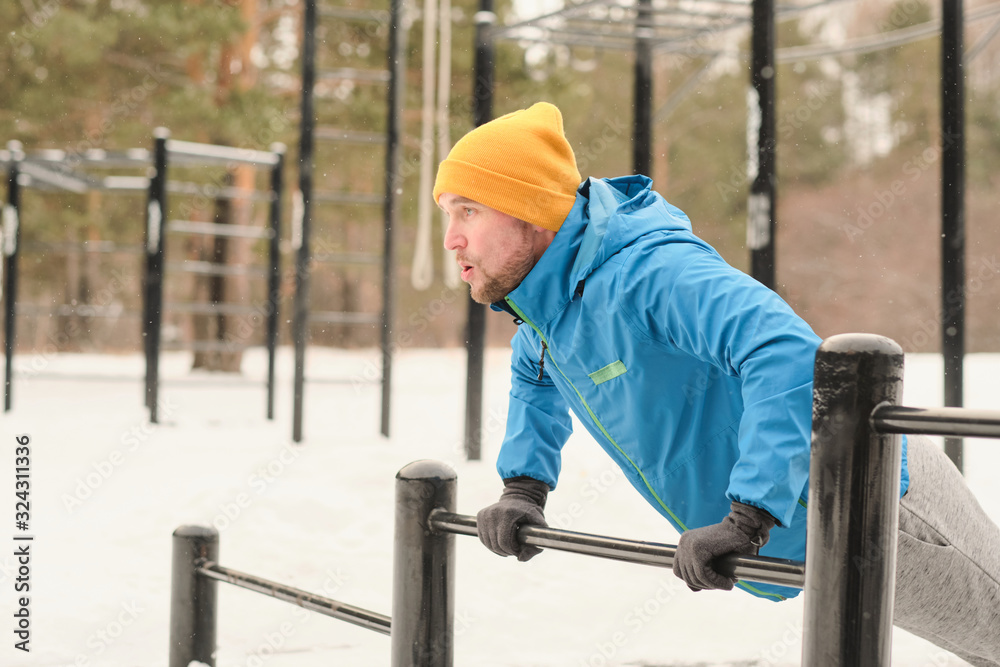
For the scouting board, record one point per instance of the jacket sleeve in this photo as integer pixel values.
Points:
(687, 297)
(538, 421)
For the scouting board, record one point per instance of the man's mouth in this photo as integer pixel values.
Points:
(466, 270)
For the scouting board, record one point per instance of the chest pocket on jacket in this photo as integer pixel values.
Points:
(609, 372)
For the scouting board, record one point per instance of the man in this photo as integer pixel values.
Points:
(693, 377)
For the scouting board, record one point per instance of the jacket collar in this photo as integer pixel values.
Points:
(585, 240)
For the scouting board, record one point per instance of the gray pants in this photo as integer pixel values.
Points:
(948, 560)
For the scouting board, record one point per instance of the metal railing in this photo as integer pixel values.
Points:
(167, 152)
(193, 601)
(777, 571)
(54, 170)
(848, 575)
(853, 514)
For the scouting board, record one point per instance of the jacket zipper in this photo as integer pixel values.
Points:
(600, 426)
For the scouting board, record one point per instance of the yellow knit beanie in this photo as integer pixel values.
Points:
(519, 164)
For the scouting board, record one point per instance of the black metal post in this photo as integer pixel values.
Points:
(642, 102)
(762, 207)
(853, 511)
(149, 254)
(953, 211)
(274, 277)
(193, 598)
(423, 576)
(393, 187)
(300, 313)
(156, 212)
(11, 244)
(475, 330)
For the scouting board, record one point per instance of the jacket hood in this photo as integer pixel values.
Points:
(608, 226)
(607, 216)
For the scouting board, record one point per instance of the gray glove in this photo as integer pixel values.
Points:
(744, 532)
(522, 502)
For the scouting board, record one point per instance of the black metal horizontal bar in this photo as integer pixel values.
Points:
(352, 136)
(348, 198)
(212, 269)
(354, 74)
(347, 258)
(937, 421)
(189, 152)
(321, 605)
(211, 308)
(334, 317)
(778, 571)
(216, 229)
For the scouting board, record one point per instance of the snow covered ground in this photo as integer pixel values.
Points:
(108, 489)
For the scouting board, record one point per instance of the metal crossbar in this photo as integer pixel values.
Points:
(937, 421)
(212, 308)
(182, 151)
(208, 346)
(321, 605)
(68, 310)
(779, 571)
(86, 247)
(194, 597)
(343, 317)
(215, 269)
(337, 134)
(354, 74)
(214, 228)
(216, 192)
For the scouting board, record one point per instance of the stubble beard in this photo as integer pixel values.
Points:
(494, 287)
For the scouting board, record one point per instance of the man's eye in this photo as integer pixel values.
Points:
(469, 211)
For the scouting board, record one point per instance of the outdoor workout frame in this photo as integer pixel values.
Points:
(53, 170)
(394, 76)
(848, 576)
(674, 29)
(49, 171)
(165, 151)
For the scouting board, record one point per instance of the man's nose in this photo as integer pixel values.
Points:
(453, 239)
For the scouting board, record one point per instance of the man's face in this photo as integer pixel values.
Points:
(495, 250)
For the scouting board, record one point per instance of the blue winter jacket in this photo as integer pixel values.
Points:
(694, 377)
